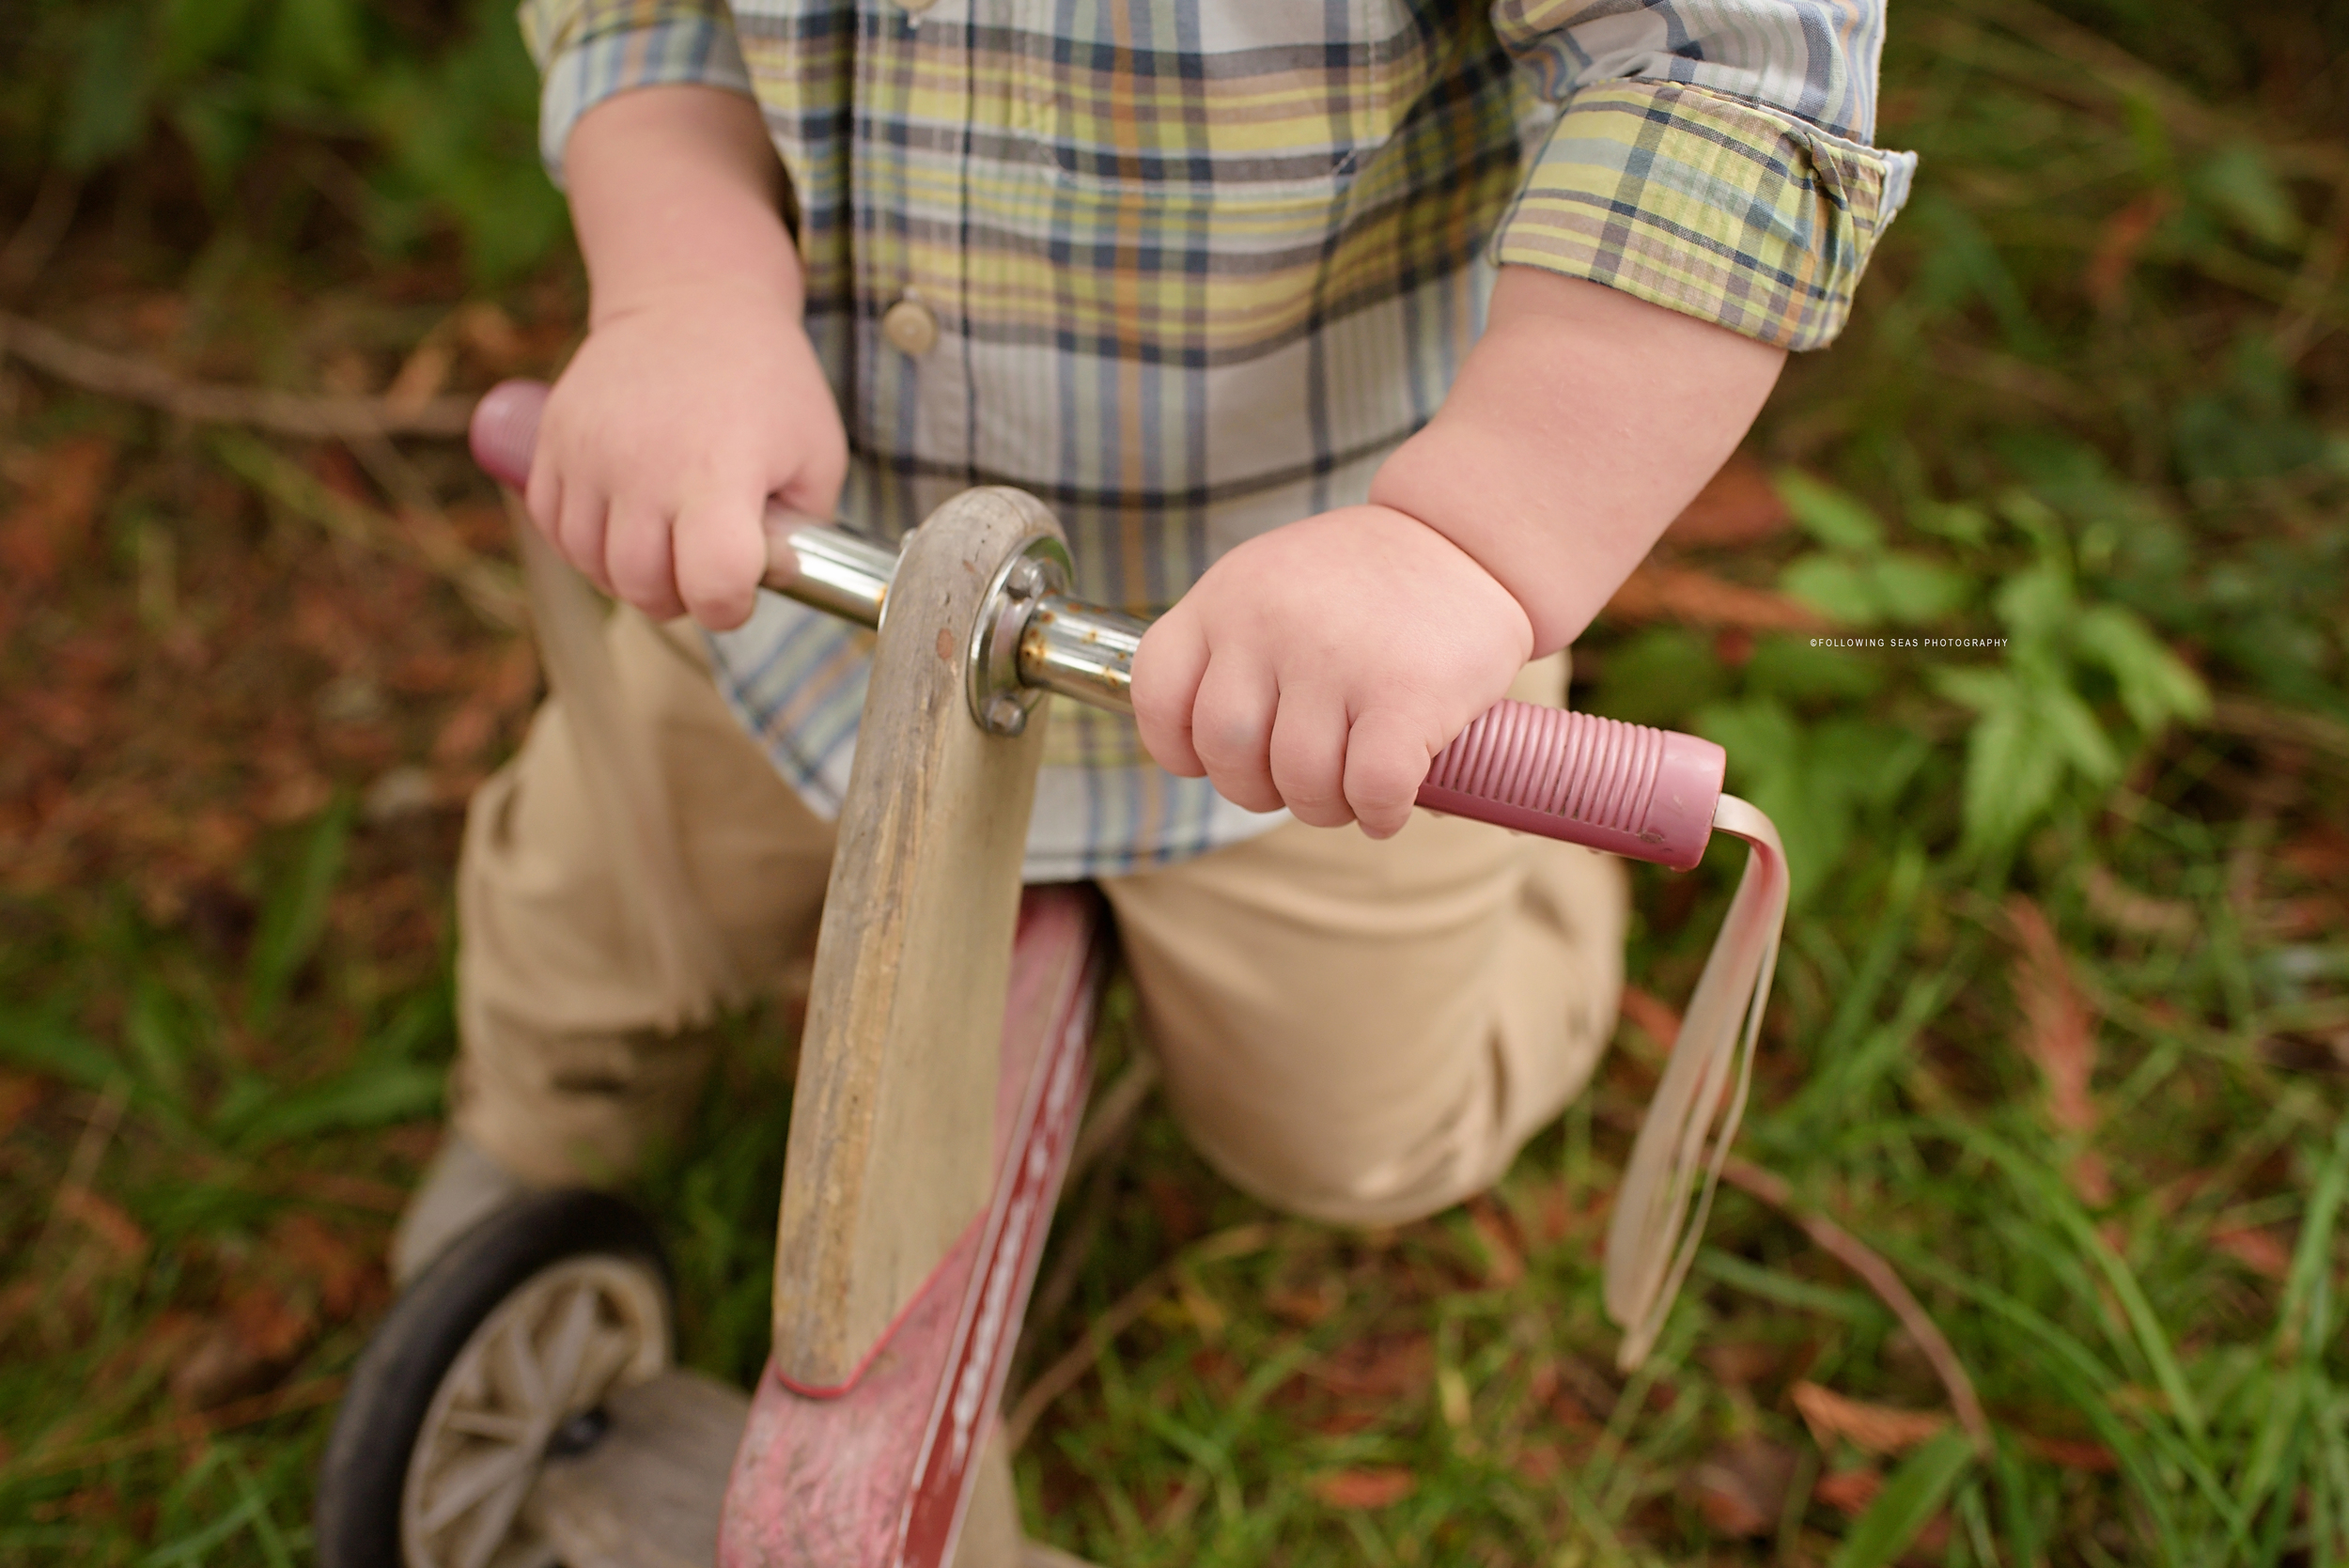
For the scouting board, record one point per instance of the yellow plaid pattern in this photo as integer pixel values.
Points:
(1197, 266)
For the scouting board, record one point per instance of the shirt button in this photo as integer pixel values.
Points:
(910, 328)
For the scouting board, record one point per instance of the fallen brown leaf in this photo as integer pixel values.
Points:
(490, 334)
(467, 731)
(19, 1092)
(1176, 1207)
(2071, 1453)
(2255, 1249)
(248, 1346)
(1738, 505)
(2124, 908)
(1654, 1017)
(2320, 853)
(1661, 593)
(1741, 1363)
(1848, 1492)
(105, 1220)
(1364, 1488)
(274, 1326)
(1869, 1428)
(346, 1277)
(1307, 1306)
(1389, 1367)
(1539, 1462)
(2123, 237)
(2060, 1037)
(58, 490)
(1504, 1261)
(421, 378)
(1740, 1488)
(219, 1368)
(1347, 1420)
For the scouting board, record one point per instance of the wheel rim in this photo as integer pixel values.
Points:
(575, 1330)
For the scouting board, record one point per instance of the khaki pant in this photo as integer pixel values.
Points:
(1356, 1032)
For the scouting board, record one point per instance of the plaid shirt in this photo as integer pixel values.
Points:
(1189, 271)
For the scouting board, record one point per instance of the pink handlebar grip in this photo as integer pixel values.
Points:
(1627, 789)
(505, 429)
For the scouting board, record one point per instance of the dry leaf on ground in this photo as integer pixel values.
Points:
(2256, 1249)
(1742, 1363)
(1741, 1487)
(1657, 593)
(2126, 909)
(1848, 1492)
(56, 500)
(105, 1220)
(1364, 1488)
(2060, 1037)
(1504, 1261)
(1651, 1014)
(1871, 1428)
(2123, 237)
(1390, 1366)
(2071, 1453)
(1738, 505)
(347, 1276)
(251, 1342)
(19, 1094)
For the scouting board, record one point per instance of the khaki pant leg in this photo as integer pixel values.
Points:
(1366, 1033)
(564, 1074)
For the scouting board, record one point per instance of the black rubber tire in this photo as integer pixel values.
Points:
(366, 1467)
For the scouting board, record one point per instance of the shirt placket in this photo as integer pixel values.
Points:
(910, 164)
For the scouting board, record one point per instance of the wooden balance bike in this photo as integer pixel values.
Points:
(517, 1406)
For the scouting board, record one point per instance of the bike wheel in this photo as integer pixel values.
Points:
(498, 1353)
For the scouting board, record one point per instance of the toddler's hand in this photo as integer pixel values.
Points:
(1323, 665)
(682, 413)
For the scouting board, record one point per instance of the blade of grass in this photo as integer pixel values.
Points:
(1827, 1097)
(42, 1043)
(2035, 1179)
(2072, 1370)
(1767, 1285)
(294, 916)
(1907, 1503)
(275, 1550)
(2312, 1256)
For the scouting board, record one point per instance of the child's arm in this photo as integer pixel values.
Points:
(1323, 665)
(696, 394)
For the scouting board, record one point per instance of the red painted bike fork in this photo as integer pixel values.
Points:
(877, 1474)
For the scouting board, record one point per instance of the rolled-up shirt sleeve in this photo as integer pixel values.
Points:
(1710, 156)
(588, 49)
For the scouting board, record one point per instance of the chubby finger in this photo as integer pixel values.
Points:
(721, 550)
(1387, 752)
(636, 558)
(1167, 670)
(814, 484)
(579, 532)
(1308, 757)
(1231, 729)
(542, 501)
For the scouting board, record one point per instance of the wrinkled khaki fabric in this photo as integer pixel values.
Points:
(1356, 1032)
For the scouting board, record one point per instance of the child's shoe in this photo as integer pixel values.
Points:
(461, 1188)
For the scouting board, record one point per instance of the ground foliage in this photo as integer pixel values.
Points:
(2061, 1026)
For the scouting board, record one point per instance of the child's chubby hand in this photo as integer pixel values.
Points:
(1322, 666)
(685, 409)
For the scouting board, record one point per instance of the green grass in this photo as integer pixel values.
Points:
(2096, 402)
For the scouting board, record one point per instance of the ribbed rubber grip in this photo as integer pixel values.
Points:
(1625, 789)
(505, 429)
